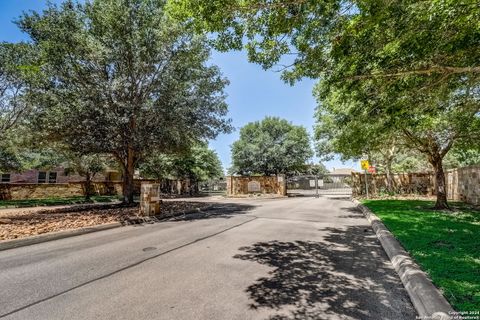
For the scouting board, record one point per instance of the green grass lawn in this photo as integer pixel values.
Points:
(445, 244)
(54, 201)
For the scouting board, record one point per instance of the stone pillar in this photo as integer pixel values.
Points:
(282, 183)
(150, 199)
(179, 187)
(229, 180)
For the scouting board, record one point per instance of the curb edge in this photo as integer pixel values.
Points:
(40, 238)
(17, 243)
(426, 298)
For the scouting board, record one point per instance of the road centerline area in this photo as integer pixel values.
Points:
(126, 268)
(299, 258)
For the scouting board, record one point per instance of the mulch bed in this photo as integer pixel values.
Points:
(20, 224)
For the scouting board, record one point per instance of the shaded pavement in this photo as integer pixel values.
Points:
(300, 258)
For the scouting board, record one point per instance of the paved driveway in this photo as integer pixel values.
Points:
(296, 258)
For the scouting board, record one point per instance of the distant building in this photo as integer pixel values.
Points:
(342, 171)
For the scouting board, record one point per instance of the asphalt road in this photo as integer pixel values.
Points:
(296, 258)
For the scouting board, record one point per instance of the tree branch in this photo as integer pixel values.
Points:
(263, 6)
(429, 71)
(416, 142)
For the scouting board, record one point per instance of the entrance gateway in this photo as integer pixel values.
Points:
(320, 185)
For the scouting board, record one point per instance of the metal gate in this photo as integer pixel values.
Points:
(216, 187)
(315, 186)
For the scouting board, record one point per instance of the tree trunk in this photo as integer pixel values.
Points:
(88, 186)
(193, 186)
(129, 170)
(388, 173)
(388, 168)
(441, 187)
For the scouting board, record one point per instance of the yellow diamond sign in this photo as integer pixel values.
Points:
(364, 164)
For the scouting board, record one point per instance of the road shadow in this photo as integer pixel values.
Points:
(333, 196)
(347, 276)
(339, 197)
(352, 213)
(296, 194)
(213, 210)
(172, 211)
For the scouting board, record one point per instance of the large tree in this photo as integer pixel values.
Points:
(199, 163)
(352, 126)
(391, 39)
(18, 70)
(123, 79)
(271, 146)
(401, 65)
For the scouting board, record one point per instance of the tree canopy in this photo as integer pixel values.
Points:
(363, 38)
(9, 160)
(122, 78)
(404, 71)
(313, 169)
(18, 70)
(429, 122)
(199, 163)
(86, 166)
(271, 146)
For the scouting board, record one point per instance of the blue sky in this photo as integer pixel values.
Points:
(253, 93)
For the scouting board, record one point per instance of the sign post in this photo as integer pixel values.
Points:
(365, 165)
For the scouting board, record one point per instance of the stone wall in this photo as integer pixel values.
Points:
(403, 183)
(21, 191)
(463, 184)
(243, 186)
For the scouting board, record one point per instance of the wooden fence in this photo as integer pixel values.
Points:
(463, 184)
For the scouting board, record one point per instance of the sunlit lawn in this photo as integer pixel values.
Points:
(445, 244)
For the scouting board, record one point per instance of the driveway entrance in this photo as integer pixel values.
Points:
(299, 258)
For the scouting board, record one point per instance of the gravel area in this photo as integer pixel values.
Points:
(23, 223)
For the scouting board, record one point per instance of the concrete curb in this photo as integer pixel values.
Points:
(426, 298)
(17, 243)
